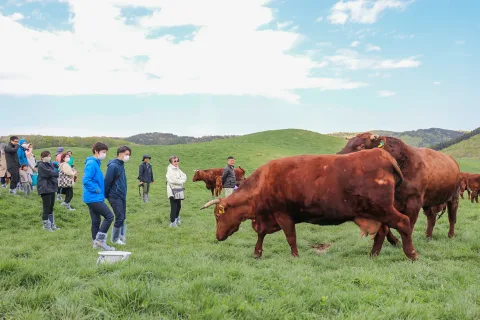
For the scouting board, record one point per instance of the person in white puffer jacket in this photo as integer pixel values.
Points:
(175, 181)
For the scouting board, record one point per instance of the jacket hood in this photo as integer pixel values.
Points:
(22, 141)
(115, 161)
(90, 159)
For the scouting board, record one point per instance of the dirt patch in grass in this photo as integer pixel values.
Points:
(321, 248)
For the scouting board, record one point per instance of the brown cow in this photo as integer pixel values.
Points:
(464, 184)
(209, 176)
(316, 189)
(218, 186)
(431, 178)
(474, 186)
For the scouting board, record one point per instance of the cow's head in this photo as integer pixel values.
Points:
(361, 142)
(196, 175)
(228, 216)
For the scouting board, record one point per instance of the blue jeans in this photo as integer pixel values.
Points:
(98, 210)
(119, 207)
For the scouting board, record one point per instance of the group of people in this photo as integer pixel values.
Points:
(18, 166)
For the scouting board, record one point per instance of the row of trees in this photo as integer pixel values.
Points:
(159, 138)
(446, 144)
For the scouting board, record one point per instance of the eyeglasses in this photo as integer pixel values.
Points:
(176, 160)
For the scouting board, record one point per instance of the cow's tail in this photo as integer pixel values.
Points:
(396, 170)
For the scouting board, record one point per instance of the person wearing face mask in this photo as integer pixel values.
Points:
(13, 165)
(32, 170)
(94, 197)
(65, 181)
(116, 193)
(175, 181)
(47, 186)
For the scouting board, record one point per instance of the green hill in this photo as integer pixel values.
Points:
(160, 139)
(184, 273)
(465, 149)
(416, 138)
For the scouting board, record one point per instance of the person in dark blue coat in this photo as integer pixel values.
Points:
(94, 197)
(116, 193)
(47, 185)
(145, 175)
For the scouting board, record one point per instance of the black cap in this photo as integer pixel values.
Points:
(146, 156)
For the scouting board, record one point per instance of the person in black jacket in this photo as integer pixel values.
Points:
(13, 165)
(116, 193)
(47, 185)
(228, 177)
(145, 175)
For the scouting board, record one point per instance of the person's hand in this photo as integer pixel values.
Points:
(153, 181)
(141, 182)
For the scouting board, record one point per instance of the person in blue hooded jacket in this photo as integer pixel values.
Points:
(94, 197)
(22, 157)
(116, 193)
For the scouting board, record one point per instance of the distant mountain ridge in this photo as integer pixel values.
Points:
(415, 138)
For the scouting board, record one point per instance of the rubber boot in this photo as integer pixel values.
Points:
(116, 236)
(101, 242)
(51, 218)
(123, 233)
(47, 225)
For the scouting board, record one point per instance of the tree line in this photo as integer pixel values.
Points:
(446, 144)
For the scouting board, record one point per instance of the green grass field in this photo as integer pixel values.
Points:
(185, 273)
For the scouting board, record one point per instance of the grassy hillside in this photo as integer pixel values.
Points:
(160, 139)
(416, 138)
(466, 149)
(185, 273)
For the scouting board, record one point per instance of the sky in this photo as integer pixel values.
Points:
(189, 67)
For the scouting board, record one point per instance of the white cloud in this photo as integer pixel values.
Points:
(319, 19)
(363, 11)
(371, 47)
(355, 44)
(350, 59)
(228, 55)
(283, 25)
(460, 42)
(17, 16)
(437, 83)
(385, 94)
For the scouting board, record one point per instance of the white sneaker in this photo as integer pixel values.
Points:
(173, 225)
(63, 204)
(177, 221)
(120, 242)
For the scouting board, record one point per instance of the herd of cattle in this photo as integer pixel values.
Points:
(378, 182)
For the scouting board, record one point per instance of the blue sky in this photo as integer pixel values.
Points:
(121, 67)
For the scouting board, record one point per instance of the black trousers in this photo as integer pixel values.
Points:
(98, 210)
(3, 180)
(175, 206)
(48, 200)
(119, 207)
(68, 194)
(15, 177)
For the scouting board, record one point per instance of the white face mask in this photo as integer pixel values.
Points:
(24, 145)
(47, 159)
(126, 158)
(31, 149)
(67, 159)
(102, 156)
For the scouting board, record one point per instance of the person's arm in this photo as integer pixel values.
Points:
(140, 173)
(171, 177)
(65, 167)
(224, 175)
(10, 149)
(89, 179)
(47, 172)
(152, 174)
(109, 179)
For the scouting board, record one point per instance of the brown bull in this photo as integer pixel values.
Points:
(431, 178)
(464, 184)
(474, 186)
(316, 189)
(209, 176)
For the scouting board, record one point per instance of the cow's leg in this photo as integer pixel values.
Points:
(391, 238)
(396, 220)
(473, 195)
(431, 220)
(379, 239)
(288, 227)
(452, 215)
(259, 246)
(461, 195)
(211, 190)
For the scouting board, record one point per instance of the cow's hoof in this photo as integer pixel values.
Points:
(295, 255)
(429, 238)
(413, 256)
(257, 254)
(451, 235)
(373, 255)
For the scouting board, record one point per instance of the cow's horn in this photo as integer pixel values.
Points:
(373, 137)
(209, 203)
